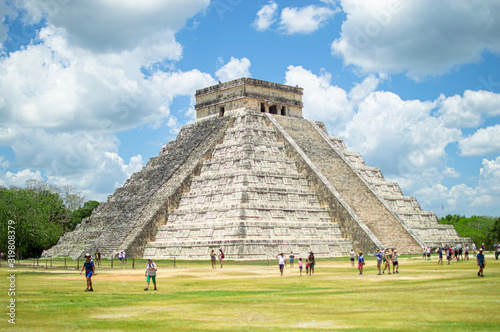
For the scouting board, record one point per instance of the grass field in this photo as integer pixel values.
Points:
(248, 296)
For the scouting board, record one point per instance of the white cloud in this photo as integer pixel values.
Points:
(450, 172)
(468, 111)
(484, 141)
(361, 90)
(304, 20)
(418, 37)
(65, 96)
(322, 101)
(235, 68)
(114, 25)
(266, 16)
(19, 179)
(464, 199)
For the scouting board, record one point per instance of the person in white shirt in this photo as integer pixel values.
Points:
(352, 254)
(150, 273)
(281, 262)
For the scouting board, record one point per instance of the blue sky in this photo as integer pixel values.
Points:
(90, 90)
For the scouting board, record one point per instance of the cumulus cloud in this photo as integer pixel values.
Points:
(304, 20)
(322, 100)
(66, 95)
(469, 110)
(266, 16)
(484, 141)
(19, 179)
(417, 37)
(464, 199)
(234, 69)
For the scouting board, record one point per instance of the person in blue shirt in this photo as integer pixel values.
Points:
(481, 261)
(88, 265)
(379, 257)
(361, 262)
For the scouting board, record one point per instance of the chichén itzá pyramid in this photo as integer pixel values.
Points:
(253, 177)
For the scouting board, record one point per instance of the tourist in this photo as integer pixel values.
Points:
(497, 252)
(124, 258)
(428, 253)
(120, 257)
(352, 254)
(150, 273)
(213, 258)
(448, 255)
(312, 263)
(300, 266)
(361, 262)
(395, 263)
(424, 252)
(281, 262)
(379, 256)
(307, 267)
(455, 251)
(481, 262)
(291, 258)
(221, 257)
(466, 252)
(474, 248)
(89, 267)
(98, 257)
(387, 260)
(483, 247)
(440, 255)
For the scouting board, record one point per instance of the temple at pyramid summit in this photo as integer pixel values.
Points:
(253, 177)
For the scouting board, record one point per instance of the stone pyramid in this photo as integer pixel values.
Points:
(252, 177)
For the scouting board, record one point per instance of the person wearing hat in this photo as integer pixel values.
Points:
(379, 257)
(395, 263)
(89, 267)
(481, 261)
(150, 273)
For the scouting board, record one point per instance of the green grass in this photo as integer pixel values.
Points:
(248, 296)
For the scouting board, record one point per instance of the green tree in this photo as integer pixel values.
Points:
(81, 213)
(38, 217)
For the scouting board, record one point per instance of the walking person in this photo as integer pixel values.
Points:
(124, 258)
(361, 262)
(429, 253)
(440, 255)
(292, 256)
(98, 257)
(221, 257)
(120, 257)
(312, 263)
(395, 263)
(481, 262)
(150, 273)
(460, 251)
(497, 252)
(424, 252)
(448, 255)
(307, 267)
(379, 257)
(351, 255)
(281, 262)
(300, 266)
(89, 267)
(213, 258)
(466, 256)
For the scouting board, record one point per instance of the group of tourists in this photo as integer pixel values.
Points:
(385, 257)
(122, 257)
(310, 262)
(89, 267)
(213, 258)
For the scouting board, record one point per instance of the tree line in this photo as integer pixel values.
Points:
(41, 214)
(481, 229)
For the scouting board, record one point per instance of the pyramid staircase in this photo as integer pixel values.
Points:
(250, 200)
